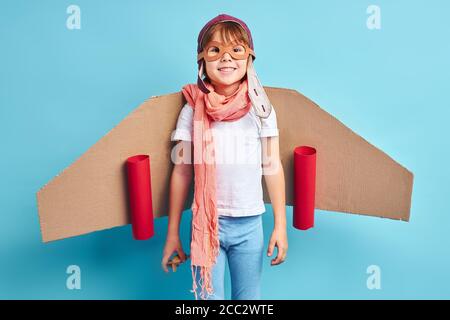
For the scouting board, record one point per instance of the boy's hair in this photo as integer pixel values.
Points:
(227, 30)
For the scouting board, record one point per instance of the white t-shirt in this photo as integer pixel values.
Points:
(238, 159)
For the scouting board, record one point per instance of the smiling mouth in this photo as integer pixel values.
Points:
(226, 70)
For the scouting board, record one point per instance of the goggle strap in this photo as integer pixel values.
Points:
(256, 93)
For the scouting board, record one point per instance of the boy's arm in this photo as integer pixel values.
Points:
(180, 182)
(274, 178)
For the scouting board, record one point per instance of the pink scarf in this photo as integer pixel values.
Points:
(205, 230)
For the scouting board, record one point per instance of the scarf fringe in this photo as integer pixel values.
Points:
(205, 282)
(205, 279)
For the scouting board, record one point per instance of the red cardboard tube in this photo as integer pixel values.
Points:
(140, 196)
(304, 187)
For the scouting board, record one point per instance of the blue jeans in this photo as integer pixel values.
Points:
(242, 244)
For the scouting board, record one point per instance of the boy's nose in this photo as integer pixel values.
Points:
(226, 56)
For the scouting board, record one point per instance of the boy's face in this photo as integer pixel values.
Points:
(225, 70)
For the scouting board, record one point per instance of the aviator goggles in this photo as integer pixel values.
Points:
(215, 50)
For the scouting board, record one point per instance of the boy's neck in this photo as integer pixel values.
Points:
(227, 90)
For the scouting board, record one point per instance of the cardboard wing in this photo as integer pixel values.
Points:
(353, 176)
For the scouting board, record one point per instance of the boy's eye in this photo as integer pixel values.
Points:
(213, 50)
(238, 49)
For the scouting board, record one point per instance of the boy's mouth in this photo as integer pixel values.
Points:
(226, 70)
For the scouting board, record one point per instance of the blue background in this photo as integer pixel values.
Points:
(61, 90)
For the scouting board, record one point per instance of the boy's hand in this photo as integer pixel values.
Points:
(279, 240)
(173, 244)
(175, 261)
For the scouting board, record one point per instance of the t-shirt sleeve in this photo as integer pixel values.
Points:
(183, 129)
(269, 127)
